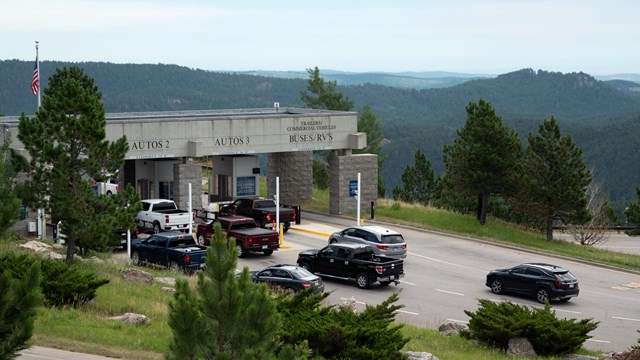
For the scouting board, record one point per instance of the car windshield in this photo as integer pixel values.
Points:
(301, 273)
(392, 239)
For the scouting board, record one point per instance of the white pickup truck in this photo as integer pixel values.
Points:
(162, 215)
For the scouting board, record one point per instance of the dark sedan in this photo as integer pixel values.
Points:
(289, 277)
(545, 282)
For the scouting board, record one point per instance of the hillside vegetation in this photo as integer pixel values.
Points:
(602, 117)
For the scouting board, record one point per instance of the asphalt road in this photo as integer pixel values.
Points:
(445, 275)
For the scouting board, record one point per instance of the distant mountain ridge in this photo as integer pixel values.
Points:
(603, 117)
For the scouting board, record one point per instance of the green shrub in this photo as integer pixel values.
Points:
(62, 284)
(339, 333)
(395, 206)
(495, 323)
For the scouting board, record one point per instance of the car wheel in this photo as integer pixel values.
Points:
(564, 300)
(497, 287)
(109, 193)
(201, 240)
(333, 241)
(542, 295)
(305, 265)
(135, 258)
(285, 228)
(156, 228)
(385, 283)
(362, 280)
(268, 252)
(240, 250)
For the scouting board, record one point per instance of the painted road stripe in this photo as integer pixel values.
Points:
(458, 321)
(624, 318)
(567, 311)
(449, 292)
(406, 282)
(599, 341)
(407, 312)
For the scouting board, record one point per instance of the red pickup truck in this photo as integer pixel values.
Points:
(248, 236)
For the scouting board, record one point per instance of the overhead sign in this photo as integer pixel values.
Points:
(353, 188)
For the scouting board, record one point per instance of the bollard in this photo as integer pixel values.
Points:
(296, 208)
(373, 209)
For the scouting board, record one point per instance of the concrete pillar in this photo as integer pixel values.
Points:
(296, 176)
(343, 169)
(183, 174)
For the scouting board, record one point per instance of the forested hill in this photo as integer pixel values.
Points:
(602, 117)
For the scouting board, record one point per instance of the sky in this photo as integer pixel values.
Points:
(469, 36)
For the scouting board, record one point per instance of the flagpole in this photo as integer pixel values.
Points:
(41, 217)
(38, 69)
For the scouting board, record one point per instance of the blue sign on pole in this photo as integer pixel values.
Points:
(353, 188)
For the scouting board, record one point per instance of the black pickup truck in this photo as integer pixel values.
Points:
(262, 210)
(173, 249)
(353, 261)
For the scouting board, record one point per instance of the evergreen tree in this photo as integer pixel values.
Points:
(67, 146)
(9, 203)
(555, 178)
(228, 316)
(483, 158)
(418, 182)
(19, 299)
(321, 94)
(632, 212)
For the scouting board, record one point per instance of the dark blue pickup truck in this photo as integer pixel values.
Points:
(173, 249)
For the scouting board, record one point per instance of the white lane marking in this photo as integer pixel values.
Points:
(408, 312)
(567, 311)
(442, 261)
(599, 341)
(458, 321)
(624, 318)
(449, 292)
(406, 282)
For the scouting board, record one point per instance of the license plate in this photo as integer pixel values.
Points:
(383, 279)
(571, 286)
(265, 246)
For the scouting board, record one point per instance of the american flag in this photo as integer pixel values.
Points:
(35, 83)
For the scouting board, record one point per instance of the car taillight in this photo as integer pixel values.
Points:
(268, 217)
(382, 247)
(249, 240)
(306, 285)
(294, 216)
(186, 259)
(404, 246)
(166, 219)
(117, 188)
(379, 269)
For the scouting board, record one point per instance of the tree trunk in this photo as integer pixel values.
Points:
(71, 244)
(484, 207)
(549, 227)
(479, 208)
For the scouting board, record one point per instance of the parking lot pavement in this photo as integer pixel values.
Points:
(615, 241)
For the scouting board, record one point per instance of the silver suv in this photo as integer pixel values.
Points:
(383, 241)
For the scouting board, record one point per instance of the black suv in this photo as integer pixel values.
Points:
(545, 282)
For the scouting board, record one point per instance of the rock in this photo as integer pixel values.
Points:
(165, 280)
(520, 347)
(451, 328)
(36, 247)
(414, 355)
(132, 319)
(168, 290)
(350, 304)
(135, 275)
(53, 256)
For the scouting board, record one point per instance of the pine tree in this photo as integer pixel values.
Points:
(19, 299)
(418, 182)
(555, 178)
(484, 158)
(226, 317)
(9, 203)
(321, 94)
(67, 146)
